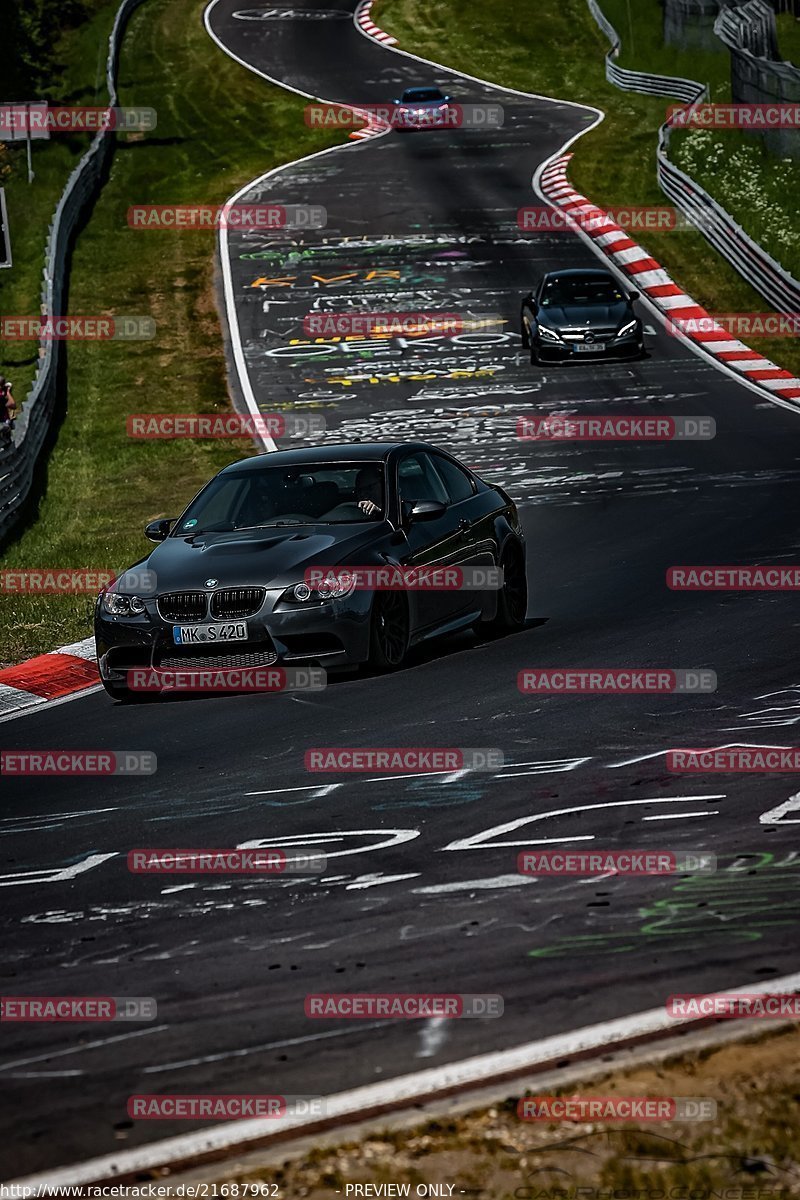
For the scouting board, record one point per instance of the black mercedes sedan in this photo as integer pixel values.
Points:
(580, 314)
(315, 556)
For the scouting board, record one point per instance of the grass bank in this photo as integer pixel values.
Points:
(218, 126)
(758, 190)
(747, 1151)
(561, 54)
(789, 38)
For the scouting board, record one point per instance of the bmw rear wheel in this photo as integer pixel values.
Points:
(512, 599)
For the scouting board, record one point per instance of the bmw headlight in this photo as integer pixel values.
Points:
(119, 605)
(626, 329)
(335, 586)
(548, 334)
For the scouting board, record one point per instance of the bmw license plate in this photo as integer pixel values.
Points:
(589, 348)
(193, 635)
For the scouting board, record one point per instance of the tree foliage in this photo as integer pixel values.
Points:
(31, 34)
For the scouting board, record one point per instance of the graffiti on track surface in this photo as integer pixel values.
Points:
(754, 894)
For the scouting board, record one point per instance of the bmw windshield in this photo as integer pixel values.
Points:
(310, 494)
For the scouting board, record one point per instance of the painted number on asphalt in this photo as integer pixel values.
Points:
(777, 816)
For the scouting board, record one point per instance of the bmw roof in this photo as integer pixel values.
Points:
(335, 452)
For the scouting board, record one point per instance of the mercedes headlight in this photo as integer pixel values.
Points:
(626, 329)
(120, 605)
(548, 334)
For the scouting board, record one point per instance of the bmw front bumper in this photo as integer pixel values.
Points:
(335, 633)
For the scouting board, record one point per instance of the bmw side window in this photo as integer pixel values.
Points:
(457, 482)
(417, 480)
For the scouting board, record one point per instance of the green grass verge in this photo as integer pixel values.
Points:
(789, 38)
(218, 127)
(561, 54)
(758, 190)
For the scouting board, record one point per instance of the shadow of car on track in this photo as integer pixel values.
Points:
(444, 648)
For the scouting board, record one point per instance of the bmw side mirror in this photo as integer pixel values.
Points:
(426, 510)
(157, 531)
(633, 295)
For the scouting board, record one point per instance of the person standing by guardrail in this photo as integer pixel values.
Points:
(8, 410)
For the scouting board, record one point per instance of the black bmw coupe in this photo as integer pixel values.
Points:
(264, 565)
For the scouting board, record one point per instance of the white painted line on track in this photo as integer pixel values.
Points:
(54, 874)
(121, 1037)
(370, 881)
(473, 885)
(393, 1095)
(711, 812)
(433, 1035)
(777, 815)
(245, 1051)
(487, 838)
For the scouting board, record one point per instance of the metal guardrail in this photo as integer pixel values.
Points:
(5, 236)
(18, 461)
(751, 261)
(687, 90)
(759, 269)
(749, 27)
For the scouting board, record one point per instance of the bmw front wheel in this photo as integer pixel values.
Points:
(389, 632)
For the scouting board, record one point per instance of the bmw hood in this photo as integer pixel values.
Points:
(269, 557)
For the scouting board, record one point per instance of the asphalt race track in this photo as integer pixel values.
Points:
(421, 891)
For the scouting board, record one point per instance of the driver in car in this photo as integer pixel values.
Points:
(368, 490)
(259, 505)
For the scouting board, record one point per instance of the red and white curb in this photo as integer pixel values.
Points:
(364, 21)
(654, 282)
(375, 126)
(49, 677)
